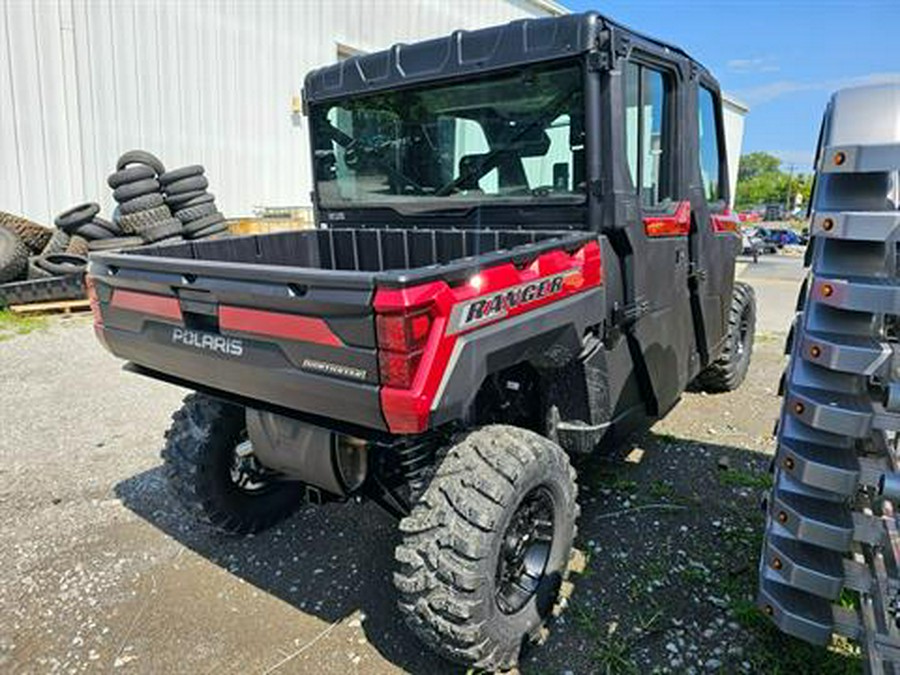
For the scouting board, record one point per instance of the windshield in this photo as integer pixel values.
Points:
(509, 137)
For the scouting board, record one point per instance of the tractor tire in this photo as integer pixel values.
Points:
(211, 480)
(185, 185)
(13, 256)
(141, 157)
(136, 223)
(34, 236)
(728, 371)
(59, 242)
(138, 188)
(178, 174)
(132, 174)
(142, 203)
(486, 548)
(191, 213)
(163, 230)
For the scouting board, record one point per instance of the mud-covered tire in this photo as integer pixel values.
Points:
(34, 236)
(451, 545)
(197, 460)
(728, 371)
(13, 256)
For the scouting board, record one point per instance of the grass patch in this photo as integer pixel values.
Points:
(748, 479)
(12, 324)
(611, 652)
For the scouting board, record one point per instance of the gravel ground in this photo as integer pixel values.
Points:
(101, 571)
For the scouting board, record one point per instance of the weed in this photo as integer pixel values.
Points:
(12, 324)
(748, 479)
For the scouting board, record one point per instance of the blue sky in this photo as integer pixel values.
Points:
(781, 58)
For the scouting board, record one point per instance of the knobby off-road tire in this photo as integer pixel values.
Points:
(34, 236)
(728, 371)
(450, 581)
(13, 256)
(198, 460)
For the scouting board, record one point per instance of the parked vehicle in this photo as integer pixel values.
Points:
(770, 241)
(751, 244)
(830, 556)
(774, 212)
(491, 289)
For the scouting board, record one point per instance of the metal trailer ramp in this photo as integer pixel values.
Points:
(831, 530)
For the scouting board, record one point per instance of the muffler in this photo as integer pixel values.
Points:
(317, 456)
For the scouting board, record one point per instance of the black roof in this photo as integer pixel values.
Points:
(468, 52)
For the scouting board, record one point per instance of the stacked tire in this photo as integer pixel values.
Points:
(142, 213)
(186, 195)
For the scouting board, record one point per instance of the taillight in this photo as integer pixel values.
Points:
(401, 339)
(94, 300)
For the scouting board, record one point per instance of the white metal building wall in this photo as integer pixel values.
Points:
(195, 81)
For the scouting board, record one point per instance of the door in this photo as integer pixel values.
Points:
(660, 236)
(715, 236)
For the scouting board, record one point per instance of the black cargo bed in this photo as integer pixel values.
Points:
(349, 258)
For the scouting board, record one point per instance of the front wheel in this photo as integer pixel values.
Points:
(485, 550)
(210, 466)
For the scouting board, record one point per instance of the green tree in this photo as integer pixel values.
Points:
(757, 163)
(761, 181)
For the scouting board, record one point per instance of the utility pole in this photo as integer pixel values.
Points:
(787, 199)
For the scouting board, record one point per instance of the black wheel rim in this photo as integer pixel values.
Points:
(525, 551)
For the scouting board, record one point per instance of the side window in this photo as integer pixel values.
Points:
(647, 133)
(710, 152)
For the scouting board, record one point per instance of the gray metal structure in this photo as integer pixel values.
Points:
(831, 525)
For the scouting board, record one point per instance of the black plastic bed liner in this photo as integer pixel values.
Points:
(350, 258)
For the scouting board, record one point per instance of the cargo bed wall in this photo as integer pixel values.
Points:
(363, 250)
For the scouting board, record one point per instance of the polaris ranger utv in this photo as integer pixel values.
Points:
(523, 250)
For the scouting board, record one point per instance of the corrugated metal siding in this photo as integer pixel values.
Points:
(195, 81)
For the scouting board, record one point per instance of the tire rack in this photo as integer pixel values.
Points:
(830, 523)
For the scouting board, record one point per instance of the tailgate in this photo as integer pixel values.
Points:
(303, 339)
